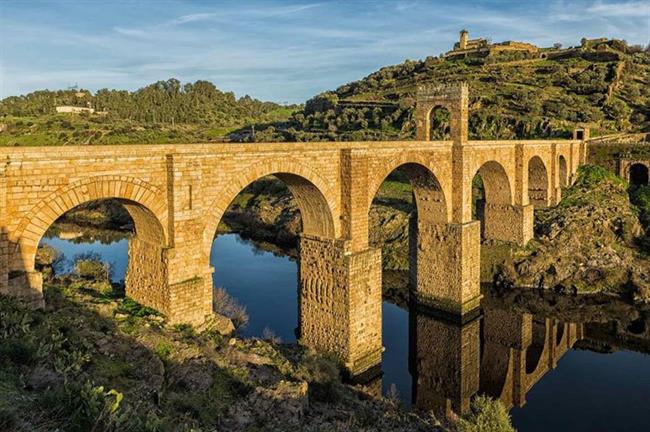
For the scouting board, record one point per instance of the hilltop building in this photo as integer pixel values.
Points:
(466, 47)
(74, 109)
(71, 109)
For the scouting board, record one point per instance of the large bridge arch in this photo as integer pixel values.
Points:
(428, 182)
(146, 278)
(316, 200)
(501, 211)
(496, 182)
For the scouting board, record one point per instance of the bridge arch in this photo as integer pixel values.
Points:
(315, 199)
(638, 174)
(439, 122)
(563, 171)
(428, 189)
(145, 203)
(496, 183)
(538, 182)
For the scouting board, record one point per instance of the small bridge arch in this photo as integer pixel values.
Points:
(538, 182)
(638, 174)
(636, 171)
(454, 98)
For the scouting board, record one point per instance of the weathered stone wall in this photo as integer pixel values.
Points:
(340, 301)
(445, 265)
(508, 223)
(146, 275)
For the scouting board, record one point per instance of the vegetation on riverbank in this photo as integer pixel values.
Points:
(94, 360)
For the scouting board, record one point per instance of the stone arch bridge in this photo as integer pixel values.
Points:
(177, 194)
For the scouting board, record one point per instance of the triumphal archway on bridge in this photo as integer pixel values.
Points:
(177, 194)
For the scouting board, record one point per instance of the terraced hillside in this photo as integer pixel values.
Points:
(605, 85)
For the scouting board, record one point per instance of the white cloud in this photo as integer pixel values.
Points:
(632, 9)
(184, 19)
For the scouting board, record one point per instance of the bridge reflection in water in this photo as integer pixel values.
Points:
(499, 352)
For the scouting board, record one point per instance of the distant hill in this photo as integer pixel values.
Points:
(515, 93)
(166, 111)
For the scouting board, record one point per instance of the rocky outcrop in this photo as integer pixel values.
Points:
(587, 243)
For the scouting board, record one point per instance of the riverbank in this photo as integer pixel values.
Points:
(94, 360)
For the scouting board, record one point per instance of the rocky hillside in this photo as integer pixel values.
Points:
(588, 243)
(605, 85)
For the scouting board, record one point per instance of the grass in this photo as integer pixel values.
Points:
(131, 307)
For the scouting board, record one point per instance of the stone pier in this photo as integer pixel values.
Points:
(510, 223)
(340, 302)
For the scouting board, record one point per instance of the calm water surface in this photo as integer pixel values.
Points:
(588, 391)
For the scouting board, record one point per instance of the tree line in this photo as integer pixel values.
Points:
(167, 101)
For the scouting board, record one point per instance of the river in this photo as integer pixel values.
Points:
(584, 391)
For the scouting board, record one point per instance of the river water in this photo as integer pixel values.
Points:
(585, 391)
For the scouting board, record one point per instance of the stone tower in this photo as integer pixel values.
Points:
(462, 43)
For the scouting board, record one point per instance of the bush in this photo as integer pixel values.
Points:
(89, 266)
(163, 350)
(185, 330)
(93, 408)
(224, 304)
(18, 351)
(486, 415)
(589, 176)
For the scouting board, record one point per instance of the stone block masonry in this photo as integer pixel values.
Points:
(177, 195)
(340, 301)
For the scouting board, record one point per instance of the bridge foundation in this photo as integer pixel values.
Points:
(340, 301)
(150, 281)
(510, 223)
(445, 266)
(26, 285)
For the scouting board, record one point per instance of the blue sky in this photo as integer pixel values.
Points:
(285, 51)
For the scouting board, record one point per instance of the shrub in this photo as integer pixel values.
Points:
(224, 304)
(486, 415)
(18, 351)
(186, 330)
(93, 408)
(591, 175)
(163, 350)
(89, 266)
